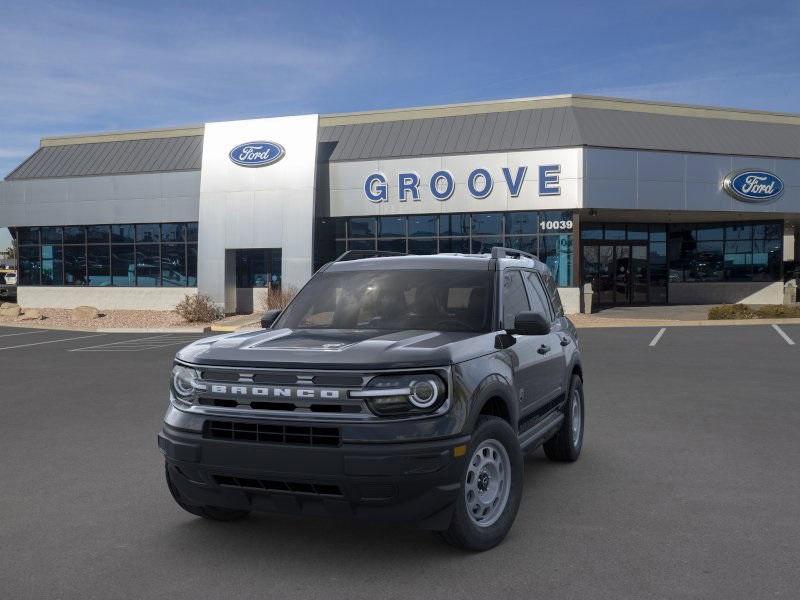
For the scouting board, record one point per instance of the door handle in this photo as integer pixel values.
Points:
(543, 349)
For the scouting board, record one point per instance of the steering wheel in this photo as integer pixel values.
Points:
(451, 322)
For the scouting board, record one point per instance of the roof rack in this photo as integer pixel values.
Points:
(500, 252)
(357, 254)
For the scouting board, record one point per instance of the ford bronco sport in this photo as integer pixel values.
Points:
(399, 388)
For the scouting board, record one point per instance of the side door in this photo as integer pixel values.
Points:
(526, 361)
(551, 371)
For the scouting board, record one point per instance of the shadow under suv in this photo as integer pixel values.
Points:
(402, 388)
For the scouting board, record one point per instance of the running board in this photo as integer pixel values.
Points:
(536, 435)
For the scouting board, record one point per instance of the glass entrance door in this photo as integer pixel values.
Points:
(618, 272)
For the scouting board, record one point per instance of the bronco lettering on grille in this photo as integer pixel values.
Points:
(275, 392)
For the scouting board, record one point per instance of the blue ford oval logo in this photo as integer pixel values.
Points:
(753, 186)
(257, 154)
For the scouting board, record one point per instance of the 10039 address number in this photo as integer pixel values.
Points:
(556, 225)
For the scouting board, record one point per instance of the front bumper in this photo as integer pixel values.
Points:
(396, 482)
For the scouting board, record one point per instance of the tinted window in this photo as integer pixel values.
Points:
(75, 265)
(51, 235)
(515, 299)
(99, 262)
(28, 235)
(191, 271)
(97, 234)
(526, 243)
(74, 235)
(52, 265)
(392, 245)
(421, 246)
(148, 233)
(173, 265)
(487, 223)
(454, 245)
(123, 266)
(422, 226)
(122, 234)
(148, 263)
(522, 222)
(454, 225)
(362, 227)
(191, 232)
(443, 300)
(391, 226)
(484, 245)
(173, 232)
(29, 264)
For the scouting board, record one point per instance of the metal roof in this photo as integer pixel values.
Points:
(182, 153)
(561, 127)
(504, 125)
(677, 133)
(489, 132)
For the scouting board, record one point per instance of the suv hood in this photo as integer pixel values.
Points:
(338, 349)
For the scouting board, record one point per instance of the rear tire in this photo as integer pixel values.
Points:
(214, 513)
(491, 488)
(566, 444)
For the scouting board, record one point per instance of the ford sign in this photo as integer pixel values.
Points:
(753, 186)
(257, 154)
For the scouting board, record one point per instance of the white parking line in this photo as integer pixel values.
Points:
(658, 336)
(82, 337)
(23, 333)
(782, 333)
(137, 344)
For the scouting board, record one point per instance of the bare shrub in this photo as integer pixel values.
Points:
(271, 298)
(198, 308)
(748, 311)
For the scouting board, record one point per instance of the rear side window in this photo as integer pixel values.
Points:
(515, 299)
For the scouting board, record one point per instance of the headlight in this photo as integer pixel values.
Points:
(183, 381)
(397, 395)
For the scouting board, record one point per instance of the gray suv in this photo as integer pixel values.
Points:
(397, 388)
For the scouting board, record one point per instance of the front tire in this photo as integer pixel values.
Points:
(491, 488)
(566, 444)
(214, 513)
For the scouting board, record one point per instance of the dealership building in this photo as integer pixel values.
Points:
(651, 203)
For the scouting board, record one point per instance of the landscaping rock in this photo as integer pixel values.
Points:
(8, 304)
(84, 313)
(31, 315)
(12, 311)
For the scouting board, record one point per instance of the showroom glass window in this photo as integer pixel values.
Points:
(129, 255)
(547, 234)
(745, 251)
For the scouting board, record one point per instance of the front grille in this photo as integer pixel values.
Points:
(282, 378)
(302, 435)
(351, 408)
(291, 487)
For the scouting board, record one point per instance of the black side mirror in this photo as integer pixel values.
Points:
(269, 318)
(531, 323)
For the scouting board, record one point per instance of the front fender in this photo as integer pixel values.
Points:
(482, 379)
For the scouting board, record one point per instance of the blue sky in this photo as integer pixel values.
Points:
(74, 67)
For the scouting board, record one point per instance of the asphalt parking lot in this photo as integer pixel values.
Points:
(688, 486)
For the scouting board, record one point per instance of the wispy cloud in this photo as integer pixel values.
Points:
(77, 67)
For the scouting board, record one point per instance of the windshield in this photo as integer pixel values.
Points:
(446, 300)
